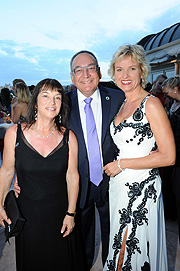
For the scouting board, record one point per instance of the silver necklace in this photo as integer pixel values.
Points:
(43, 136)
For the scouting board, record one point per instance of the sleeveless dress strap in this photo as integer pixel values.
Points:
(18, 133)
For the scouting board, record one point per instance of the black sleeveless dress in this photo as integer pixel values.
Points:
(44, 201)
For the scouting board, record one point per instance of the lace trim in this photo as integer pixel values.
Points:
(137, 218)
(141, 129)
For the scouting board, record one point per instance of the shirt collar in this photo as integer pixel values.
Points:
(95, 96)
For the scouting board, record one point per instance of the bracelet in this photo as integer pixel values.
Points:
(1, 209)
(119, 165)
(71, 214)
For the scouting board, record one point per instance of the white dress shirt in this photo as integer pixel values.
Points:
(97, 111)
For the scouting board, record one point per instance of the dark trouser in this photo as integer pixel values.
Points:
(86, 217)
(176, 189)
(169, 197)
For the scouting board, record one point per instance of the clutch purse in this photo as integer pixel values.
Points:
(13, 212)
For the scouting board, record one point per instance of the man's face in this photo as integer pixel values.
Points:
(85, 79)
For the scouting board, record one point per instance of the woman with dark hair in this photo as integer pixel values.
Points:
(45, 156)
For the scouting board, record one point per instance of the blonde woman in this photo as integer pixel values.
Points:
(19, 111)
(137, 229)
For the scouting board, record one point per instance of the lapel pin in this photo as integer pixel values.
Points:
(107, 98)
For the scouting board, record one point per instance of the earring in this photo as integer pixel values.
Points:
(35, 114)
(59, 118)
(175, 92)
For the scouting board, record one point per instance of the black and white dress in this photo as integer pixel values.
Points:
(136, 201)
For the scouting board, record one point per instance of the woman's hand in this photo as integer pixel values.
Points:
(68, 225)
(3, 216)
(112, 169)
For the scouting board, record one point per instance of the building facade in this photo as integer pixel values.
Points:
(163, 52)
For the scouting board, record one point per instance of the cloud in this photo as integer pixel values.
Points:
(73, 25)
(2, 52)
(22, 56)
(39, 38)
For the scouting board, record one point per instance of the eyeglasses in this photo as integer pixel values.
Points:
(91, 68)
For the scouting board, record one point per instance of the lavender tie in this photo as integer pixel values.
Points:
(95, 164)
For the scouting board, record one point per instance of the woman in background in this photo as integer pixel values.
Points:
(137, 228)
(171, 88)
(19, 110)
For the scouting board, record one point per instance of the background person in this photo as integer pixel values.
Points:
(6, 99)
(15, 81)
(45, 154)
(71, 87)
(3, 115)
(137, 229)
(157, 88)
(19, 110)
(171, 180)
(14, 99)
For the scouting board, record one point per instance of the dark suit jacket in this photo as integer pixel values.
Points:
(175, 124)
(111, 100)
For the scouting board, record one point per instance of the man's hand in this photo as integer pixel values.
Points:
(17, 189)
(151, 152)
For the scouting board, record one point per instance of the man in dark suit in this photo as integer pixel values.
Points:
(85, 75)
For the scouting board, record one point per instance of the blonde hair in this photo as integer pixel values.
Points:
(136, 52)
(23, 94)
(172, 82)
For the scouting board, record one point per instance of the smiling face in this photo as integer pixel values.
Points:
(127, 74)
(48, 103)
(88, 81)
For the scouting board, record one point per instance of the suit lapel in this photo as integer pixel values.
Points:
(106, 105)
(74, 120)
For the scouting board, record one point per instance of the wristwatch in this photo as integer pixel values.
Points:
(71, 214)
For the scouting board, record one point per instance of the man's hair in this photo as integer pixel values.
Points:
(83, 52)
(161, 76)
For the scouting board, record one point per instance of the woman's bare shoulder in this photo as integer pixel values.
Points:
(153, 103)
(155, 110)
(11, 132)
(21, 105)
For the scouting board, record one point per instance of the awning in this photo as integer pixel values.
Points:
(160, 55)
